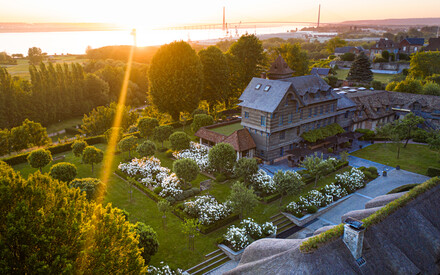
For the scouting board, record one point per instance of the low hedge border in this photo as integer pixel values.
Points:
(315, 242)
(205, 229)
(55, 149)
(142, 187)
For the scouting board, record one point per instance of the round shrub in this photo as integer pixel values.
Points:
(39, 158)
(186, 170)
(201, 120)
(147, 240)
(222, 157)
(89, 185)
(146, 148)
(312, 209)
(179, 141)
(171, 200)
(158, 189)
(373, 170)
(78, 147)
(63, 171)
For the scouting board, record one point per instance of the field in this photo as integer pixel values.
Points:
(22, 67)
(384, 78)
(228, 129)
(415, 158)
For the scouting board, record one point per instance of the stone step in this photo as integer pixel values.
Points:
(208, 264)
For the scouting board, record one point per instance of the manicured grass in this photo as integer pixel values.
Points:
(228, 129)
(384, 78)
(415, 158)
(56, 127)
(22, 67)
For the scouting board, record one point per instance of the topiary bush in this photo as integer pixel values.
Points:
(63, 171)
(158, 189)
(312, 209)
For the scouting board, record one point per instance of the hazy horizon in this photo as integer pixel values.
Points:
(139, 14)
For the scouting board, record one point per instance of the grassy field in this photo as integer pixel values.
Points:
(22, 67)
(384, 78)
(415, 158)
(228, 129)
(55, 127)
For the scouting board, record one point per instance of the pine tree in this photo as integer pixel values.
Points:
(360, 70)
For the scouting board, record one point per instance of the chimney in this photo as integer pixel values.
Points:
(354, 236)
(263, 75)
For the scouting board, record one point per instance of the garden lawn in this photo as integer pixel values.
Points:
(415, 158)
(228, 129)
(384, 78)
(173, 244)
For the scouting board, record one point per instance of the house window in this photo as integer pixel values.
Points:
(281, 151)
(300, 114)
(327, 107)
(297, 131)
(258, 86)
(319, 125)
(263, 121)
(310, 112)
(316, 111)
(306, 96)
(290, 117)
(282, 135)
(321, 111)
(333, 108)
(360, 114)
(266, 89)
(291, 147)
(281, 120)
(317, 95)
(287, 102)
(346, 114)
(262, 152)
(274, 115)
(246, 114)
(388, 108)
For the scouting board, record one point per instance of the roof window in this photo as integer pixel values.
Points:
(258, 86)
(267, 88)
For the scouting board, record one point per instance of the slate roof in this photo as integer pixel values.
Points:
(320, 71)
(307, 83)
(415, 41)
(384, 44)
(404, 242)
(433, 44)
(344, 102)
(429, 103)
(261, 100)
(347, 49)
(279, 69)
(367, 101)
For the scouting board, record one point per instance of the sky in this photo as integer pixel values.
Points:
(162, 13)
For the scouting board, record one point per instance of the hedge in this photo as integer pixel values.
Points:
(271, 198)
(205, 229)
(72, 131)
(55, 149)
(322, 133)
(433, 171)
(314, 242)
(142, 187)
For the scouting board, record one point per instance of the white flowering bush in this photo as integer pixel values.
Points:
(303, 203)
(316, 198)
(197, 152)
(207, 209)
(262, 182)
(293, 208)
(351, 180)
(268, 228)
(334, 190)
(152, 174)
(237, 238)
(252, 228)
(163, 269)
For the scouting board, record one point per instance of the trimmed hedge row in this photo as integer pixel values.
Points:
(142, 187)
(205, 229)
(55, 149)
(314, 242)
(271, 198)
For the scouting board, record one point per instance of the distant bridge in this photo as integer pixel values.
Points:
(238, 25)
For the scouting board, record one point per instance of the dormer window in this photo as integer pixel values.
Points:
(317, 95)
(258, 86)
(306, 96)
(267, 88)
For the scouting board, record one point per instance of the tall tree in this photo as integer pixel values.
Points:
(216, 75)
(243, 200)
(176, 79)
(222, 157)
(146, 148)
(35, 55)
(49, 228)
(129, 144)
(146, 126)
(334, 43)
(316, 166)
(424, 64)
(409, 124)
(186, 170)
(92, 155)
(295, 57)
(162, 133)
(147, 240)
(246, 168)
(360, 70)
(287, 183)
(180, 141)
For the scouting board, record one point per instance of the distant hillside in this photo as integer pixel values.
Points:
(403, 21)
(55, 27)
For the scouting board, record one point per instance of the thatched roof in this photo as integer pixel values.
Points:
(405, 242)
(383, 200)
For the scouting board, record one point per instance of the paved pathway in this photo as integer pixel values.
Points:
(223, 268)
(358, 162)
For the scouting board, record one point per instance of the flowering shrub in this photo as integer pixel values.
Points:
(315, 198)
(262, 182)
(207, 209)
(197, 152)
(252, 228)
(351, 180)
(163, 270)
(336, 191)
(154, 175)
(237, 237)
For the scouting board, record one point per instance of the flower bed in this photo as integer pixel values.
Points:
(152, 175)
(238, 238)
(346, 183)
(263, 183)
(197, 152)
(207, 209)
